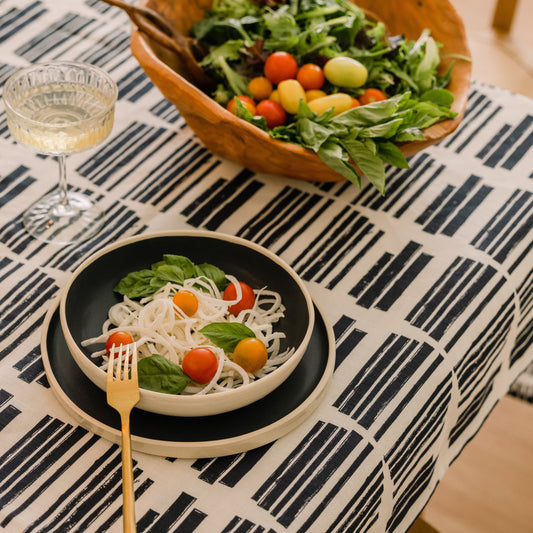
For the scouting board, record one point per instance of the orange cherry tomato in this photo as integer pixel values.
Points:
(310, 76)
(251, 354)
(355, 103)
(186, 301)
(118, 338)
(372, 95)
(246, 302)
(260, 88)
(246, 101)
(200, 364)
(273, 112)
(280, 66)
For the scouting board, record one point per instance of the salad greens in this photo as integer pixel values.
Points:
(240, 34)
(173, 268)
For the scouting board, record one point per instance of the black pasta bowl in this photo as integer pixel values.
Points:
(89, 294)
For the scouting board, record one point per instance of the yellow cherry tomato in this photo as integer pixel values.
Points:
(251, 354)
(313, 94)
(186, 301)
(274, 96)
(345, 72)
(290, 94)
(260, 88)
(340, 102)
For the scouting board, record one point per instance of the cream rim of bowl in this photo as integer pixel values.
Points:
(192, 405)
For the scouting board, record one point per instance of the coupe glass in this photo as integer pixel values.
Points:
(60, 108)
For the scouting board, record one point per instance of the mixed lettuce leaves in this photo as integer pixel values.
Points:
(239, 34)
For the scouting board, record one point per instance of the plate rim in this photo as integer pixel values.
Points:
(194, 449)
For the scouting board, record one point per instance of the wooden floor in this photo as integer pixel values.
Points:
(489, 488)
(503, 59)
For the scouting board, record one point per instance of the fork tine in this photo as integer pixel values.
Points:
(111, 364)
(134, 376)
(126, 358)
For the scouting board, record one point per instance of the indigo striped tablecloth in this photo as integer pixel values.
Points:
(429, 291)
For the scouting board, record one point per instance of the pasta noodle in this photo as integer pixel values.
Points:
(158, 326)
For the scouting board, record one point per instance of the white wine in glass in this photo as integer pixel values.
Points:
(60, 108)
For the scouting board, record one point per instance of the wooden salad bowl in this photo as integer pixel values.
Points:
(237, 140)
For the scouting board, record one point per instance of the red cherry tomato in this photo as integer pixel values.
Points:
(246, 302)
(372, 95)
(200, 364)
(310, 76)
(280, 66)
(273, 112)
(355, 103)
(246, 101)
(118, 338)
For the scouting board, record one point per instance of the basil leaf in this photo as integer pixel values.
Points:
(173, 268)
(409, 134)
(365, 157)
(183, 263)
(135, 284)
(158, 374)
(440, 97)
(312, 134)
(227, 335)
(385, 129)
(391, 154)
(371, 114)
(171, 273)
(213, 273)
(334, 156)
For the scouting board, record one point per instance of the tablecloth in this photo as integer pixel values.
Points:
(429, 291)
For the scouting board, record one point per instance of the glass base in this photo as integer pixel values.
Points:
(51, 221)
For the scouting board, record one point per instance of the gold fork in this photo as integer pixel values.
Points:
(122, 395)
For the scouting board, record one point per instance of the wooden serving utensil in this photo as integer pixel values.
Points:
(155, 26)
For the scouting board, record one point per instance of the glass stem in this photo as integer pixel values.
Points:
(63, 198)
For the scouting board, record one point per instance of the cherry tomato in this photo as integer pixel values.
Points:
(186, 301)
(118, 338)
(251, 354)
(371, 95)
(355, 102)
(246, 302)
(273, 112)
(313, 94)
(310, 76)
(280, 66)
(260, 87)
(246, 101)
(274, 95)
(290, 94)
(200, 364)
(340, 102)
(345, 72)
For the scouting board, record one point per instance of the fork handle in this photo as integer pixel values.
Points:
(128, 495)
